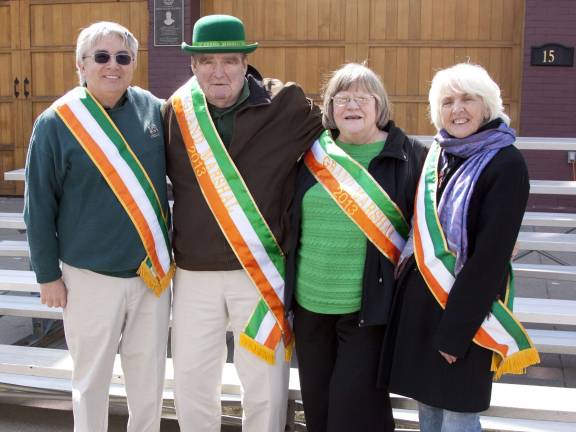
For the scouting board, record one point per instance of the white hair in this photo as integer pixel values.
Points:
(466, 78)
(94, 33)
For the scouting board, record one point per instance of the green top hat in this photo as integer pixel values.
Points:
(219, 34)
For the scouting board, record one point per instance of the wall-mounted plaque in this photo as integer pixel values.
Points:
(552, 54)
(168, 22)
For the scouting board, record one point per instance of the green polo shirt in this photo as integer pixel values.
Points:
(223, 118)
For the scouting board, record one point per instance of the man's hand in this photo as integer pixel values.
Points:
(53, 294)
(448, 357)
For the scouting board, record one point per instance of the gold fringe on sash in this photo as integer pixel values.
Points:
(288, 351)
(257, 349)
(157, 286)
(515, 364)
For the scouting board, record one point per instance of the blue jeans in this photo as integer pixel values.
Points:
(440, 420)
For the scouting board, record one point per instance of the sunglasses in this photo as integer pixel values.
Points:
(103, 57)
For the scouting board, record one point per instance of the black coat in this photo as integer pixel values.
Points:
(396, 168)
(411, 364)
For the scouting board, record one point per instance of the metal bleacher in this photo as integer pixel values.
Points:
(515, 407)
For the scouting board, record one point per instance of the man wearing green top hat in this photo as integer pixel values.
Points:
(232, 152)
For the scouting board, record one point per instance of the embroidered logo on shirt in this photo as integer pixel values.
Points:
(153, 130)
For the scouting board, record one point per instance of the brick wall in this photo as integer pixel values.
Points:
(549, 95)
(169, 67)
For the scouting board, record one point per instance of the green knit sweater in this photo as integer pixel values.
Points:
(70, 211)
(332, 248)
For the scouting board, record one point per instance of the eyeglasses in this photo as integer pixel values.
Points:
(102, 57)
(345, 100)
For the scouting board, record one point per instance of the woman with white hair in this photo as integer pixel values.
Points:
(351, 216)
(452, 329)
(96, 200)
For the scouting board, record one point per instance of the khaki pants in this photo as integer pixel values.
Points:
(205, 302)
(103, 315)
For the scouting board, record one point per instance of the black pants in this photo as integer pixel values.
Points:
(338, 364)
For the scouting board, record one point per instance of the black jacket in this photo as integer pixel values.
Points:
(396, 168)
(419, 328)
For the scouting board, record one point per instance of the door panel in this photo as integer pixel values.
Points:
(10, 89)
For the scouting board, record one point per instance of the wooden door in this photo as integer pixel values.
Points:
(405, 41)
(10, 88)
(46, 56)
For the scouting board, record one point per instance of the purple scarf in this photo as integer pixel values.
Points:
(478, 150)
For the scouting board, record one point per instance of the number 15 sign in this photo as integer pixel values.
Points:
(552, 54)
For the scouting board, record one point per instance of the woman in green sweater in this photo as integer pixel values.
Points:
(351, 216)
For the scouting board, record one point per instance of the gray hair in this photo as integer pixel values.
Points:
(466, 78)
(94, 33)
(355, 74)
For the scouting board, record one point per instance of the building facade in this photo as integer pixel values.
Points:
(405, 41)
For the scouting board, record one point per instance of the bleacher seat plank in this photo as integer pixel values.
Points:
(545, 311)
(18, 280)
(508, 400)
(24, 306)
(527, 310)
(541, 143)
(552, 187)
(56, 363)
(546, 219)
(14, 175)
(541, 219)
(552, 242)
(549, 187)
(60, 389)
(13, 248)
(554, 341)
(525, 143)
(548, 341)
(533, 402)
(12, 221)
(495, 424)
(520, 401)
(545, 271)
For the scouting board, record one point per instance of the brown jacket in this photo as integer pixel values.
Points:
(269, 138)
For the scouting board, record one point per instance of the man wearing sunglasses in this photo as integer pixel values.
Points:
(231, 156)
(96, 200)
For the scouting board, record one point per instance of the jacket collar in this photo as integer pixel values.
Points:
(394, 146)
(258, 94)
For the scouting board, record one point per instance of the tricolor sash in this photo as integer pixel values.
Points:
(500, 332)
(105, 145)
(359, 196)
(239, 219)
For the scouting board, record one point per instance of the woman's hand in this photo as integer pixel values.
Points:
(53, 294)
(448, 357)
